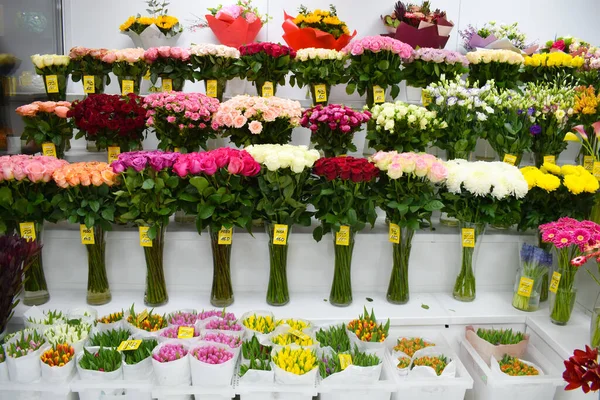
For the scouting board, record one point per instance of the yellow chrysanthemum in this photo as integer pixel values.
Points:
(551, 168)
(591, 185)
(127, 24)
(575, 184)
(570, 170)
(548, 182)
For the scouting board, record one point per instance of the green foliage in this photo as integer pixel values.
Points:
(88, 205)
(506, 76)
(317, 71)
(213, 67)
(500, 336)
(47, 127)
(274, 132)
(482, 209)
(370, 69)
(104, 360)
(283, 197)
(24, 201)
(88, 65)
(177, 70)
(110, 338)
(334, 337)
(419, 73)
(141, 353)
(264, 68)
(123, 68)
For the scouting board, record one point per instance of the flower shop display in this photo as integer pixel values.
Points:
(286, 168)
(534, 266)
(364, 368)
(497, 342)
(503, 66)
(181, 121)
(251, 120)
(319, 69)
(146, 321)
(418, 25)
(57, 363)
(403, 127)
(298, 324)
(218, 190)
(23, 353)
(112, 122)
(255, 357)
(586, 111)
(550, 67)
(281, 339)
(566, 44)
(111, 338)
(236, 24)
(148, 198)
(171, 65)
(171, 364)
(158, 29)
(477, 194)
(212, 364)
(224, 325)
(438, 363)
(367, 333)
(494, 35)
(87, 66)
(215, 65)
(87, 199)
(129, 66)
(318, 29)
(582, 369)
(47, 125)
(344, 202)
(407, 194)
(427, 65)
(333, 126)
(55, 70)
(266, 65)
(375, 66)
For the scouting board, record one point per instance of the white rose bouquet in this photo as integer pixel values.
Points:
(55, 69)
(320, 69)
(503, 66)
(215, 65)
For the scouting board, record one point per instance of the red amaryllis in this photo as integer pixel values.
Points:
(582, 370)
(346, 168)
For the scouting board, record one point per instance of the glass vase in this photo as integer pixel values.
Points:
(260, 89)
(176, 87)
(595, 211)
(156, 286)
(319, 93)
(221, 294)
(398, 288)
(563, 301)
(35, 287)
(98, 290)
(215, 88)
(457, 154)
(137, 82)
(470, 242)
(547, 247)
(98, 84)
(56, 86)
(277, 292)
(341, 287)
(528, 286)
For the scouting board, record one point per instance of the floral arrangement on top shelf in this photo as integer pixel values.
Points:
(427, 65)
(171, 65)
(215, 65)
(502, 66)
(55, 70)
(159, 29)
(316, 29)
(418, 25)
(496, 35)
(552, 67)
(88, 67)
(588, 74)
(258, 120)
(265, 65)
(375, 66)
(566, 44)
(129, 66)
(47, 125)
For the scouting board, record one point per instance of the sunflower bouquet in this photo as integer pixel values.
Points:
(157, 29)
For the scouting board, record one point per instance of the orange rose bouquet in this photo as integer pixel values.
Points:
(47, 125)
(85, 197)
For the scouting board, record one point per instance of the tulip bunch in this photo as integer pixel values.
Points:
(67, 333)
(229, 340)
(259, 323)
(110, 318)
(59, 355)
(500, 336)
(514, 367)
(141, 353)
(103, 360)
(296, 361)
(182, 318)
(152, 323)
(109, 338)
(217, 313)
(223, 325)
(367, 329)
(410, 346)
(212, 354)
(285, 339)
(330, 364)
(170, 352)
(403, 362)
(438, 363)
(173, 332)
(88, 62)
(51, 317)
(169, 63)
(26, 343)
(298, 324)
(258, 356)
(334, 337)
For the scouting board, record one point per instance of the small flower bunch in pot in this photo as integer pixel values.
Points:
(265, 65)
(89, 68)
(47, 125)
(171, 65)
(57, 363)
(215, 65)
(55, 70)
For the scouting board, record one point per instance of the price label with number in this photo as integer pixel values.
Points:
(510, 159)
(113, 153)
(299, 334)
(525, 286)
(596, 170)
(49, 149)
(129, 345)
(211, 88)
(51, 84)
(87, 234)
(588, 163)
(342, 237)
(394, 233)
(225, 235)
(185, 332)
(468, 237)
(145, 240)
(176, 150)
(345, 361)
(554, 282)
(27, 230)
(167, 84)
(425, 98)
(321, 93)
(127, 87)
(550, 159)
(89, 84)
(268, 89)
(280, 234)
(141, 317)
(378, 94)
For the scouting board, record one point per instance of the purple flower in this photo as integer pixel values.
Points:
(535, 129)
(530, 111)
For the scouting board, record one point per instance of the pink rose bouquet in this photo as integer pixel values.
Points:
(47, 125)
(230, 340)
(258, 120)
(426, 65)
(333, 127)
(181, 120)
(88, 66)
(215, 65)
(171, 64)
(212, 354)
(129, 65)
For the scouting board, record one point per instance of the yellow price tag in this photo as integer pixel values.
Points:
(525, 286)
(185, 332)
(596, 170)
(588, 163)
(128, 345)
(554, 282)
(145, 241)
(51, 84)
(394, 233)
(211, 88)
(27, 230)
(378, 94)
(113, 153)
(141, 317)
(345, 360)
(167, 84)
(321, 93)
(550, 159)
(425, 98)
(49, 149)
(299, 334)
(87, 234)
(267, 90)
(176, 150)
(225, 235)
(89, 84)
(342, 238)
(468, 237)
(127, 87)
(280, 233)
(510, 159)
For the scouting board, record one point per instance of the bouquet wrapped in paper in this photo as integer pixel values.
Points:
(495, 35)
(418, 25)
(159, 29)
(236, 24)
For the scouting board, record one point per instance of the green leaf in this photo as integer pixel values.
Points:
(6, 196)
(200, 183)
(383, 65)
(206, 211)
(148, 184)
(94, 205)
(89, 221)
(352, 217)
(108, 214)
(434, 205)
(318, 233)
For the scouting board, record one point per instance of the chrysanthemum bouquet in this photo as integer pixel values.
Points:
(265, 65)
(47, 125)
(129, 66)
(502, 66)
(215, 65)
(550, 67)
(171, 65)
(427, 65)
(319, 69)
(88, 67)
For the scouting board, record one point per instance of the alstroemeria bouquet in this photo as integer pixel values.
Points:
(502, 66)
(403, 127)
(320, 69)
(375, 66)
(87, 65)
(110, 120)
(266, 65)
(46, 123)
(550, 67)
(333, 126)
(103, 360)
(55, 70)
(258, 120)
(181, 120)
(129, 66)
(427, 65)
(215, 65)
(171, 64)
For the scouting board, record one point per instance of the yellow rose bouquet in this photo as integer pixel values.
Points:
(550, 67)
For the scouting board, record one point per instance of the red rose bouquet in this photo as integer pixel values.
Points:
(171, 64)
(343, 196)
(89, 68)
(266, 65)
(47, 125)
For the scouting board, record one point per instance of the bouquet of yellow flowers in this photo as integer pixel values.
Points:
(551, 67)
(158, 29)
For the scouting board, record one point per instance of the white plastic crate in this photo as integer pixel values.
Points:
(118, 389)
(488, 386)
(35, 390)
(271, 390)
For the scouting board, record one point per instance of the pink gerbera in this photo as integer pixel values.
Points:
(578, 261)
(549, 235)
(562, 239)
(581, 237)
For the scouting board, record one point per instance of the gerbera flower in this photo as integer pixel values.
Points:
(563, 239)
(578, 261)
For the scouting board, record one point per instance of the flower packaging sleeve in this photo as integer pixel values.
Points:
(305, 37)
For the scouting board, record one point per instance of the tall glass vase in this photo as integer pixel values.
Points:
(563, 301)
(547, 247)
(215, 88)
(263, 88)
(470, 242)
(156, 285)
(595, 212)
(35, 287)
(277, 292)
(98, 290)
(341, 287)
(56, 86)
(167, 83)
(93, 84)
(319, 93)
(595, 325)
(398, 288)
(221, 294)
(130, 84)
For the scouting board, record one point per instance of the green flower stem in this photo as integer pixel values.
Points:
(277, 292)
(465, 288)
(595, 342)
(61, 95)
(98, 288)
(398, 292)
(341, 288)
(222, 290)
(156, 286)
(564, 300)
(535, 272)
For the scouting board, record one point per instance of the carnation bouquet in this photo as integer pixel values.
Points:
(215, 65)
(427, 65)
(550, 67)
(344, 201)
(181, 121)
(407, 194)
(265, 65)
(258, 120)
(494, 35)
(235, 24)
(129, 66)
(171, 65)
(333, 126)
(55, 70)
(418, 25)
(47, 125)
(88, 67)
(502, 66)
(158, 29)
(477, 194)
(286, 168)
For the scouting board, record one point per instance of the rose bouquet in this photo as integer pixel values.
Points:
(550, 67)
(427, 65)
(403, 127)
(87, 199)
(110, 121)
(407, 194)
(219, 191)
(566, 44)
(265, 65)
(258, 120)
(158, 29)
(88, 67)
(494, 35)
(129, 65)
(171, 65)
(319, 69)
(55, 70)
(477, 194)
(375, 66)
(181, 121)
(333, 126)
(235, 24)
(582, 370)
(535, 263)
(46, 125)
(418, 25)
(502, 66)
(215, 65)
(344, 201)
(148, 198)
(286, 168)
